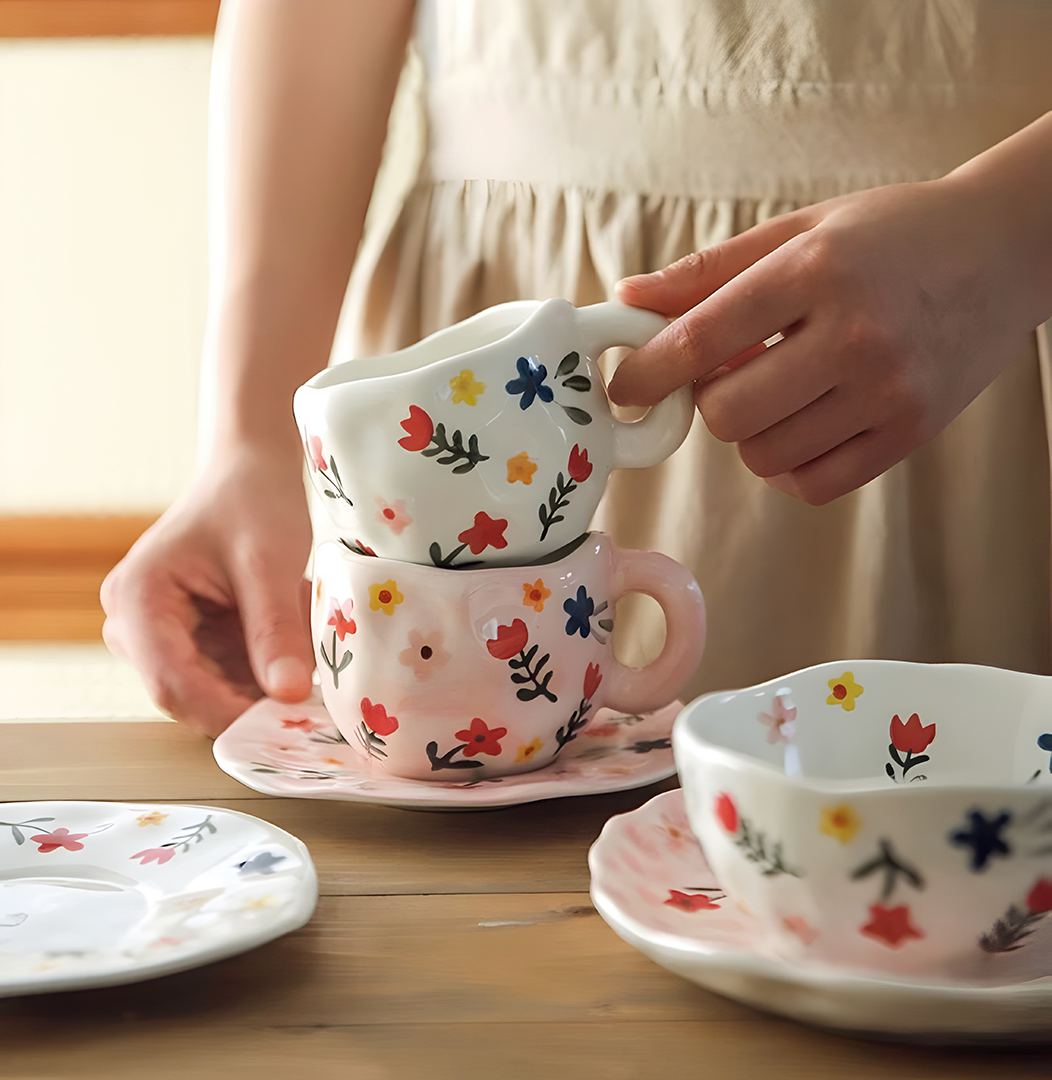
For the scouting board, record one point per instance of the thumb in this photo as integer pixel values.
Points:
(274, 604)
(674, 290)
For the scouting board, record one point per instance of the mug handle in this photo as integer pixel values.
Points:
(674, 588)
(652, 439)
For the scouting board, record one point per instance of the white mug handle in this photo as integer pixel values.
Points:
(665, 426)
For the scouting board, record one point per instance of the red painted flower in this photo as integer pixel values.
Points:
(305, 725)
(364, 549)
(1039, 899)
(484, 533)
(727, 812)
(592, 679)
(911, 737)
(159, 855)
(579, 467)
(340, 617)
(60, 838)
(315, 454)
(420, 428)
(686, 902)
(510, 640)
(376, 718)
(481, 739)
(891, 925)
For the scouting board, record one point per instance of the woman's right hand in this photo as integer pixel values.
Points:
(210, 604)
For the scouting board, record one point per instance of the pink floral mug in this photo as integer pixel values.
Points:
(440, 675)
(488, 443)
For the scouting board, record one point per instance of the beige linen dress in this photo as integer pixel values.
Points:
(567, 143)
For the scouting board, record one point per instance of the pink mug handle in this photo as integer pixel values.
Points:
(674, 588)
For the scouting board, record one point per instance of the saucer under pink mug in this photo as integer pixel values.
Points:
(436, 674)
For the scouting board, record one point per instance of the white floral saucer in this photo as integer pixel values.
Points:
(96, 893)
(651, 883)
(296, 750)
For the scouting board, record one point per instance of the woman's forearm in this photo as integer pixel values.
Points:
(301, 91)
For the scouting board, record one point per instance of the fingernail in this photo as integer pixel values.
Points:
(784, 483)
(287, 675)
(636, 281)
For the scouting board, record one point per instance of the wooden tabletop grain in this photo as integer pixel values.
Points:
(443, 945)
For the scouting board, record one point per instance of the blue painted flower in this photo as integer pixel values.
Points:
(263, 863)
(580, 611)
(983, 836)
(530, 382)
(1045, 742)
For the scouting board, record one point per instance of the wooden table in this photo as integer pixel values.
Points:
(444, 945)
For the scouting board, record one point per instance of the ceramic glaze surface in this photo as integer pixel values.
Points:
(437, 674)
(891, 816)
(297, 751)
(651, 881)
(488, 443)
(95, 893)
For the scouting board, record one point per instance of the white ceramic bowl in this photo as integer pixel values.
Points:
(878, 814)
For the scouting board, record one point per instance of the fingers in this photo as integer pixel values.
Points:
(762, 301)
(150, 622)
(677, 288)
(273, 600)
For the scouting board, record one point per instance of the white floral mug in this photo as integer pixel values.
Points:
(445, 676)
(488, 443)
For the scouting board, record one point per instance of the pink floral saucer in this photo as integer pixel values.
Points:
(653, 886)
(296, 750)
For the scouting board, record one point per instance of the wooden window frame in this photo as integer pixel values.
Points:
(107, 18)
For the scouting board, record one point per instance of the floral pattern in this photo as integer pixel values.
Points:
(528, 751)
(579, 718)
(393, 515)
(384, 596)
(426, 437)
(699, 901)
(59, 838)
(342, 623)
(530, 383)
(982, 835)
(316, 458)
(521, 468)
(153, 818)
(477, 739)
(780, 720)
(1011, 930)
(534, 595)
(181, 843)
(510, 645)
(466, 390)
(844, 691)
(840, 822)
(486, 532)
(891, 926)
(425, 654)
(579, 468)
(752, 843)
(910, 739)
(419, 428)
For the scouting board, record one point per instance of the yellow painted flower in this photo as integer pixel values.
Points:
(521, 468)
(528, 751)
(534, 595)
(844, 691)
(465, 389)
(841, 822)
(384, 597)
(154, 818)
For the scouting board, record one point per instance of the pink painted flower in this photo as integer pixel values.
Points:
(340, 617)
(315, 454)
(798, 925)
(306, 725)
(425, 654)
(690, 902)
(376, 718)
(393, 515)
(779, 721)
(60, 838)
(159, 855)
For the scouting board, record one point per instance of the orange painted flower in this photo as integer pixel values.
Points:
(534, 595)
(528, 751)
(843, 692)
(841, 822)
(384, 597)
(521, 468)
(154, 818)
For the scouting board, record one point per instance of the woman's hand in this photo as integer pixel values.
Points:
(898, 305)
(210, 605)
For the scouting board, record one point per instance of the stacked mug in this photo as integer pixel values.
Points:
(462, 622)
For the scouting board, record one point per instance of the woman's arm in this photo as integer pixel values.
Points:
(899, 305)
(209, 605)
